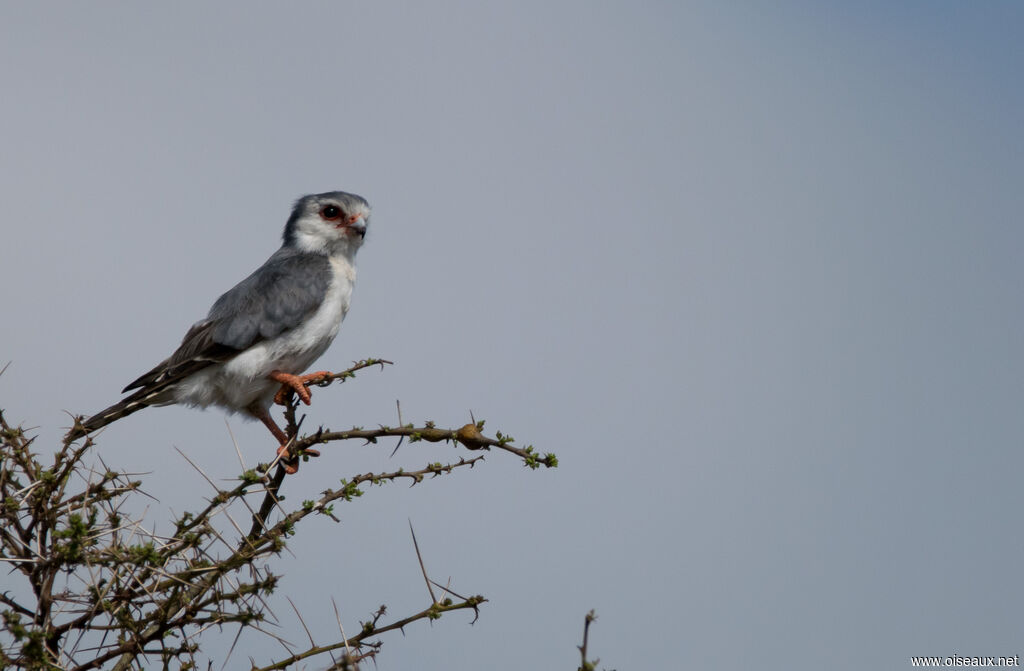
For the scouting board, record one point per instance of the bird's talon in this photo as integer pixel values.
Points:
(317, 377)
(291, 463)
(297, 383)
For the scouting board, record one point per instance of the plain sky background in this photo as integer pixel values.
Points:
(752, 270)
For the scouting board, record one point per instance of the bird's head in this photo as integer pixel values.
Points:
(328, 223)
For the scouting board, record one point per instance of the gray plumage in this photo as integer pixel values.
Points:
(281, 316)
(287, 289)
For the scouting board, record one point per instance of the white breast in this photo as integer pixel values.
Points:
(243, 380)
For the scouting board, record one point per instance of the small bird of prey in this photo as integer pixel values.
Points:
(261, 335)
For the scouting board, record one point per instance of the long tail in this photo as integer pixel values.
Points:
(143, 398)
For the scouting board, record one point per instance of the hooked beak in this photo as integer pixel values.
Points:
(356, 225)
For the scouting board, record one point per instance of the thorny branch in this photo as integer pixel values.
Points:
(99, 589)
(584, 664)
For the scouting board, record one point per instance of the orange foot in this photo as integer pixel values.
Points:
(291, 465)
(296, 383)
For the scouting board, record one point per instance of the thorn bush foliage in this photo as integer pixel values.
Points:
(88, 586)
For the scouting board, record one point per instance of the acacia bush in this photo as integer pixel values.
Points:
(88, 586)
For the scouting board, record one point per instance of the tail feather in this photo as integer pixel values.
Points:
(137, 401)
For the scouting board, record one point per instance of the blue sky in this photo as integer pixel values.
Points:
(752, 272)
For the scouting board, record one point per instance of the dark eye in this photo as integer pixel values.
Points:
(331, 212)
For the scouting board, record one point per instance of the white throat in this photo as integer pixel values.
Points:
(315, 243)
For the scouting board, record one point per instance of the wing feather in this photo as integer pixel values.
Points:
(277, 297)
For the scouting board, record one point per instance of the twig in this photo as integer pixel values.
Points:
(584, 664)
(433, 599)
